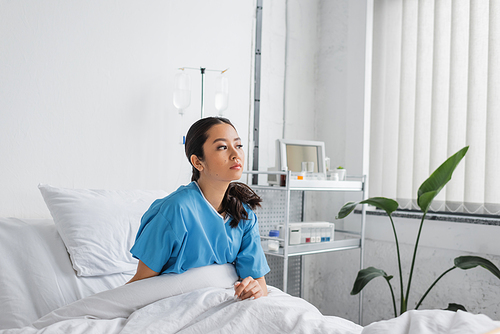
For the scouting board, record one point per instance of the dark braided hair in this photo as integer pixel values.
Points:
(237, 193)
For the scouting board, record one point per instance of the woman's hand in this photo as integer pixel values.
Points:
(250, 288)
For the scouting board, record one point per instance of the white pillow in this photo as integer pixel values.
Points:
(98, 227)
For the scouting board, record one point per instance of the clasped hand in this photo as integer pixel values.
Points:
(248, 288)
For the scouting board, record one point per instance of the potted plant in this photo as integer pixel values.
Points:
(426, 194)
(341, 172)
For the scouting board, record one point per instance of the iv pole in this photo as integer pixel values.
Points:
(202, 71)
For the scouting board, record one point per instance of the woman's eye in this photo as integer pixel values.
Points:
(223, 147)
(239, 146)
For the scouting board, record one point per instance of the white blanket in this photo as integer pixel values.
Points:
(435, 321)
(210, 310)
(201, 301)
(198, 301)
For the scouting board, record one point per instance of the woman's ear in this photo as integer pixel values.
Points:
(196, 162)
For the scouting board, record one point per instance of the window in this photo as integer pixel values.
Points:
(436, 89)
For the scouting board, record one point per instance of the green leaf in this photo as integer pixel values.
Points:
(468, 262)
(438, 179)
(365, 276)
(346, 210)
(426, 199)
(386, 204)
(455, 307)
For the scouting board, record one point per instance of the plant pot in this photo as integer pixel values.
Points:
(341, 174)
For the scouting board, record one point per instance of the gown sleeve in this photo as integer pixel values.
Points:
(251, 260)
(157, 243)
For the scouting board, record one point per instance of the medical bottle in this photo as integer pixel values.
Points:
(273, 245)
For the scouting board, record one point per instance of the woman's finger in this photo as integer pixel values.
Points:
(240, 287)
(253, 293)
(248, 289)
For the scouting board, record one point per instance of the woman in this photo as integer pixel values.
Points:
(209, 220)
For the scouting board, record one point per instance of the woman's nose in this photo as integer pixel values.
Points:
(235, 154)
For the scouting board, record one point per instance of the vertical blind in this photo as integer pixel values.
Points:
(436, 89)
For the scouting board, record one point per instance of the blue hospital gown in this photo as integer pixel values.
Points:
(183, 231)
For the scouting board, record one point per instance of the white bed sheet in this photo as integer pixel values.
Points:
(36, 275)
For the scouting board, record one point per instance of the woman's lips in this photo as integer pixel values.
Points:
(236, 166)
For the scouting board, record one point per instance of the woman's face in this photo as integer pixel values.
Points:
(224, 157)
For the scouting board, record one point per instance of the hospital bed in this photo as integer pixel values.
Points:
(68, 275)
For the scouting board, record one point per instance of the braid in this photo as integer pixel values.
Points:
(196, 175)
(236, 195)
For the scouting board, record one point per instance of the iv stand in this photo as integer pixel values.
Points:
(202, 70)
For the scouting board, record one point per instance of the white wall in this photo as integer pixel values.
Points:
(86, 91)
(300, 81)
